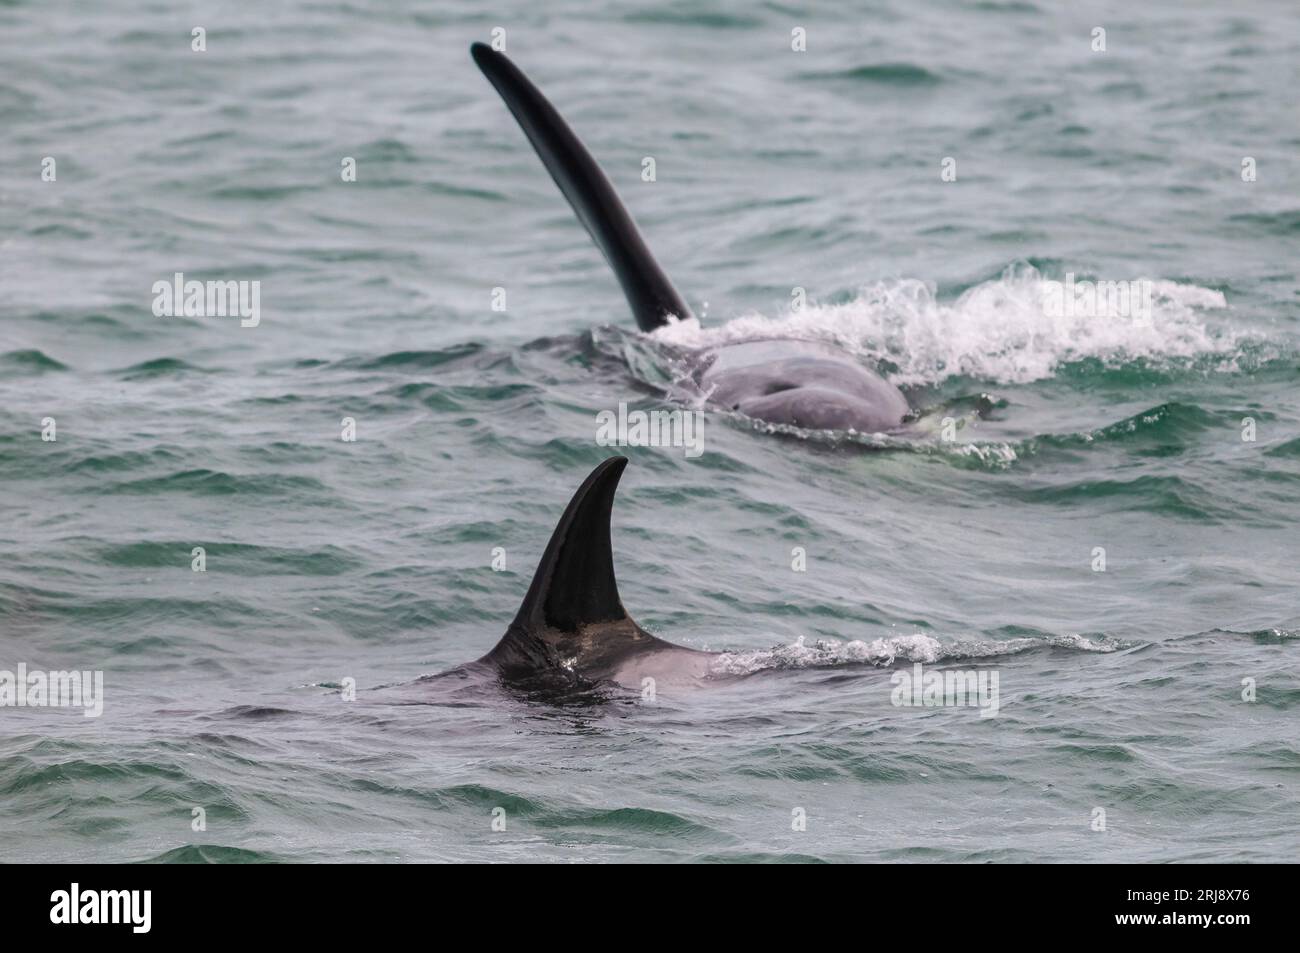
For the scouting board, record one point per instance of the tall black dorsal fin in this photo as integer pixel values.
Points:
(574, 584)
(652, 297)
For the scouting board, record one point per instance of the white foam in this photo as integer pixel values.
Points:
(999, 330)
(825, 653)
(918, 648)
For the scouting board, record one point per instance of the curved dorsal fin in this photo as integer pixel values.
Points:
(574, 584)
(652, 297)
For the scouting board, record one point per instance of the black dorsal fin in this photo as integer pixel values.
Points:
(574, 584)
(652, 297)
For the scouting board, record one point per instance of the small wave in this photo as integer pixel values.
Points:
(1013, 6)
(1166, 430)
(388, 150)
(1169, 425)
(251, 713)
(48, 230)
(885, 652)
(127, 461)
(159, 367)
(1274, 636)
(204, 482)
(458, 191)
(1290, 448)
(240, 559)
(689, 15)
(1282, 224)
(1000, 330)
(887, 74)
(29, 362)
(214, 854)
(258, 193)
(1171, 496)
(415, 360)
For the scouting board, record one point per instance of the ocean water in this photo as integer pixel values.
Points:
(1147, 712)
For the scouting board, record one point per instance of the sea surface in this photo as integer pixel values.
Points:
(1108, 524)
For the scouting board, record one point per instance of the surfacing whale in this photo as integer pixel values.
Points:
(572, 633)
(779, 381)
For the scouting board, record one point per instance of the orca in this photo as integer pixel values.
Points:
(778, 380)
(572, 633)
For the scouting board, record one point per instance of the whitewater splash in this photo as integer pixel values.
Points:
(883, 653)
(1003, 331)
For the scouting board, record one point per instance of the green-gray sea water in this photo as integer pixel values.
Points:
(1112, 528)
